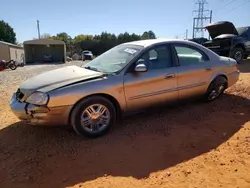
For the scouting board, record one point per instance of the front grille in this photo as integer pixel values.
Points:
(19, 94)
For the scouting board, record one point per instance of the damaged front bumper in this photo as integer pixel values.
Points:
(40, 115)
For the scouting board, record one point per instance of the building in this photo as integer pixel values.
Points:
(44, 50)
(10, 51)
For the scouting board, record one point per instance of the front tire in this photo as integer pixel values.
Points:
(93, 116)
(216, 89)
(237, 54)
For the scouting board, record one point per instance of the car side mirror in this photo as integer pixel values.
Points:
(141, 67)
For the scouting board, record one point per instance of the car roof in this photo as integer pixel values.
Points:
(149, 42)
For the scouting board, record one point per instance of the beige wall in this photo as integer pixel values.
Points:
(4, 52)
(16, 54)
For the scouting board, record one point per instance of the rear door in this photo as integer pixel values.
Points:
(194, 70)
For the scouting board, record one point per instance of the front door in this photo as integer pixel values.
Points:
(155, 86)
(194, 71)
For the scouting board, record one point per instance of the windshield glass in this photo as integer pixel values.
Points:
(241, 30)
(114, 59)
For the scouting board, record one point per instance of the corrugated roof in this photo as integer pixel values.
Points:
(43, 42)
(10, 44)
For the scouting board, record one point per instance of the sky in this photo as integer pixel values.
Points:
(167, 18)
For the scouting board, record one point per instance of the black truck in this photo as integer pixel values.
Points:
(229, 41)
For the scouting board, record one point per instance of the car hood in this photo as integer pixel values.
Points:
(220, 28)
(58, 78)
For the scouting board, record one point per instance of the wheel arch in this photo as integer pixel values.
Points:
(107, 96)
(240, 45)
(216, 76)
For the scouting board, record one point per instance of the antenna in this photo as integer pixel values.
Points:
(200, 19)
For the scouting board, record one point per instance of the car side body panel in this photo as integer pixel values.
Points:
(150, 88)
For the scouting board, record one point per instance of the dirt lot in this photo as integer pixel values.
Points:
(192, 145)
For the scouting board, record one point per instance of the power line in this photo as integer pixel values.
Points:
(221, 9)
(239, 6)
(228, 3)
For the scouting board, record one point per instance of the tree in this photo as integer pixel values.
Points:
(98, 43)
(148, 35)
(45, 36)
(7, 33)
(151, 35)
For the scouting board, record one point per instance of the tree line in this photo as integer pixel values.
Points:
(95, 43)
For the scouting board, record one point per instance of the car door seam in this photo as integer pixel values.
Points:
(191, 86)
(152, 94)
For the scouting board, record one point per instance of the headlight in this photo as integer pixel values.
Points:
(38, 98)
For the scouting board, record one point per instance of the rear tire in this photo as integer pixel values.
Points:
(237, 54)
(216, 89)
(89, 125)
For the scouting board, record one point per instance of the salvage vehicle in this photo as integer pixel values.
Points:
(87, 55)
(229, 41)
(126, 79)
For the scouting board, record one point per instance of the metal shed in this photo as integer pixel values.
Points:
(10, 51)
(44, 50)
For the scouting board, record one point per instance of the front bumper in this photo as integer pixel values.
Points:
(40, 115)
(233, 78)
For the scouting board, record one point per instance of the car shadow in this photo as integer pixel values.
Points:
(244, 67)
(140, 145)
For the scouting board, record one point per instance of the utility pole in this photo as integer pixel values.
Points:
(200, 19)
(38, 29)
(186, 34)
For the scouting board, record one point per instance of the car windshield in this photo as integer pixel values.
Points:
(114, 59)
(241, 30)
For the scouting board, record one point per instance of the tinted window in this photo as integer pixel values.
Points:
(248, 33)
(241, 30)
(158, 58)
(189, 56)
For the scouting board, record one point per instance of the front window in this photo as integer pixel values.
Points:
(241, 30)
(114, 59)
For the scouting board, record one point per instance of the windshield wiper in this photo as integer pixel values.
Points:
(91, 68)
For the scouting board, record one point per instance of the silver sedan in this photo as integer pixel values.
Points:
(128, 78)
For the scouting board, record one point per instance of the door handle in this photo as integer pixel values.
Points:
(208, 68)
(168, 76)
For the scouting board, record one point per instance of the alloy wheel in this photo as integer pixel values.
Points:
(216, 92)
(238, 56)
(95, 118)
